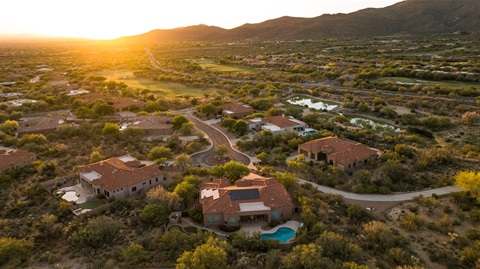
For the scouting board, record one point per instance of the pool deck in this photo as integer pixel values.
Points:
(82, 193)
(292, 224)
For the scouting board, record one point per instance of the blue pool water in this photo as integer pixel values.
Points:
(283, 235)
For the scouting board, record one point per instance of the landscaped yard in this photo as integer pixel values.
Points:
(92, 204)
(165, 89)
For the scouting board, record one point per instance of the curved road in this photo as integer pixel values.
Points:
(217, 138)
(400, 197)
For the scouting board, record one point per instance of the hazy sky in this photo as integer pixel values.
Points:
(105, 19)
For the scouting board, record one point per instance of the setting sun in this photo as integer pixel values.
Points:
(111, 19)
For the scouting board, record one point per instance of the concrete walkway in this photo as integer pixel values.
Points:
(398, 197)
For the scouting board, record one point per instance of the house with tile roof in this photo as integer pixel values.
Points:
(14, 159)
(152, 125)
(345, 154)
(235, 110)
(119, 177)
(276, 124)
(40, 125)
(252, 197)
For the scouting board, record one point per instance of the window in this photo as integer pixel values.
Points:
(134, 189)
(156, 180)
(232, 220)
(274, 215)
(150, 182)
(144, 183)
(213, 219)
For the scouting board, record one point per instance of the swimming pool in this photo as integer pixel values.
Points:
(283, 235)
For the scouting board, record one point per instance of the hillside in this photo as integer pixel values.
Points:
(407, 17)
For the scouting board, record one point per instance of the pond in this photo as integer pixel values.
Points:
(315, 104)
(370, 124)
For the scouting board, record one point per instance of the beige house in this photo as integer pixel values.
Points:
(345, 154)
(119, 177)
(252, 197)
(14, 159)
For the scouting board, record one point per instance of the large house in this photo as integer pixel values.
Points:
(276, 124)
(252, 197)
(235, 110)
(152, 125)
(40, 125)
(345, 154)
(119, 177)
(13, 159)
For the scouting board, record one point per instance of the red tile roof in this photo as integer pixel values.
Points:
(236, 108)
(116, 174)
(282, 121)
(340, 150)
(13, 158)
(153, 122)
(272, 193)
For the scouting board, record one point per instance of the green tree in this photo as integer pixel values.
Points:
(273, 111)
(158, 152)
(104, 109)
(134, 254)
(469, 181)
(110, 129)
(240, 127)
(9, 127)
(235, 170)
(36, 139)
(98, 232)
(84, 112)
(154, 215)
(11, 248)
(187, 128)
(220, 151)
(288, 179)
(304, 256)
(96, 156)
(186, 190)
(228, 123)
(178, 121)
(170, 200)
(206, 256)
(208, 109)
(182, 160)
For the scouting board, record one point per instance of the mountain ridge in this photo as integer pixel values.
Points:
(406, 17)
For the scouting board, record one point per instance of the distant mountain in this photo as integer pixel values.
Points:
(407, 17)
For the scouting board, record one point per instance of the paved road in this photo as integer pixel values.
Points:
(385, 197)
(217, 138)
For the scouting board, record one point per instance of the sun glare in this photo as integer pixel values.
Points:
(108, 19)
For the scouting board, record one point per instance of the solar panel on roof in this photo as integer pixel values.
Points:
(244, 194)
